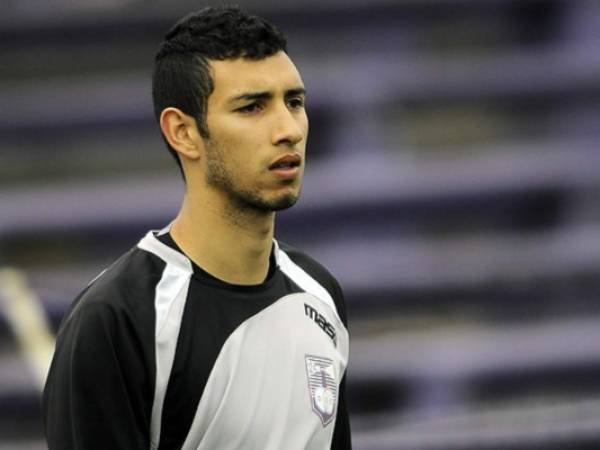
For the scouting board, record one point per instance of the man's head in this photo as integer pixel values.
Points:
(230, 103)
(182, 75)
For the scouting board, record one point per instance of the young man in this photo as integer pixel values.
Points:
(209, 334)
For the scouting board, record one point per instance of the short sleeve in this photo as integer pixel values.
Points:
(96, 394)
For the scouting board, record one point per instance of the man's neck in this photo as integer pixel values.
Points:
(230, 245)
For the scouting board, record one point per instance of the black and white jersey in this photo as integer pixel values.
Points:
(158, 354)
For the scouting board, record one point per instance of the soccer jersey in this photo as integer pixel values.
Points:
(158, 354)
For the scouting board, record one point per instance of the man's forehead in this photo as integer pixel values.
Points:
(233, 77)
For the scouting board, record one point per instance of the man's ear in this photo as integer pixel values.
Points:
(181, 132)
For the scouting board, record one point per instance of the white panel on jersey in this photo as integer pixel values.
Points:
(169, 301)
(260, 395)
(164, 252)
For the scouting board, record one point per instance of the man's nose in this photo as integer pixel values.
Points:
(288, 128)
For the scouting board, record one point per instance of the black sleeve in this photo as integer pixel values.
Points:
(341, 433)
(96, 394)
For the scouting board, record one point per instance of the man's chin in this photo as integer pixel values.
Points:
(261, 204)
(283, 203)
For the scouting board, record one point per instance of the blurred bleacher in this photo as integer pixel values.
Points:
(452, 186)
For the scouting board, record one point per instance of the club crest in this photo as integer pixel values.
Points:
(322, 387)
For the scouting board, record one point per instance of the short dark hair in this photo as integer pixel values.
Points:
(181, 76)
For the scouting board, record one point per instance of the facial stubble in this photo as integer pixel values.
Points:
(245, 200)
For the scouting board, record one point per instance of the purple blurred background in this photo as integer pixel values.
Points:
(452, 186)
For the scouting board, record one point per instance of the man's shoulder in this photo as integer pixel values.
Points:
(308, 263)
(131, 271)
(126, 285)
(319, 273)
(114, 311)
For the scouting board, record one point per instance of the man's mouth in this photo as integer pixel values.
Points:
(286, 162)
(287, 168)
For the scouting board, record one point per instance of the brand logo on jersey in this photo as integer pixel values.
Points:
(322, 387)
(313, 314)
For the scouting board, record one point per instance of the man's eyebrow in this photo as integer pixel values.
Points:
(261, 95)
(294, 92)
(266, 95)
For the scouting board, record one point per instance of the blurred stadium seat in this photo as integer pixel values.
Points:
(452, 187)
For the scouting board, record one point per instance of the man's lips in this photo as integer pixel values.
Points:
(286, 162)
(286, 168)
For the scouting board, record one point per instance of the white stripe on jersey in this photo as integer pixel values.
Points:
(171, 294)
(304, 280)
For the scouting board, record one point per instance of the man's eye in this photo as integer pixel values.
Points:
(252, 107)
(296, 102)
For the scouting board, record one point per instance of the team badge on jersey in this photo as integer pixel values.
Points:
(322, 386)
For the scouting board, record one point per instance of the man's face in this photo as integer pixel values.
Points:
(258, 129)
